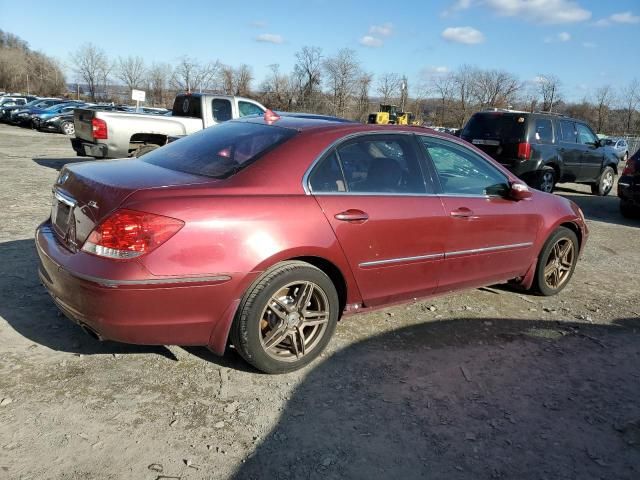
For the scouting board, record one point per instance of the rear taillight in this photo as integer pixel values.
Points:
(128, 233)
(99, 129)
(630, 169)
(524, 151)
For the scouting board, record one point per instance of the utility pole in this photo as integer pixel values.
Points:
(27, 84)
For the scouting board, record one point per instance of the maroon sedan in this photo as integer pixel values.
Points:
(263, 231)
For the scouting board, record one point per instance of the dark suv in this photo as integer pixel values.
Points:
(544, 148)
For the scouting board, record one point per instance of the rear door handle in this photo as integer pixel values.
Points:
(352, 215)
(462, 212)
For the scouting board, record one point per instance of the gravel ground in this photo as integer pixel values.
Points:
(487, 383)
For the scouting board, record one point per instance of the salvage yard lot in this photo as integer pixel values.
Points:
(489, 383)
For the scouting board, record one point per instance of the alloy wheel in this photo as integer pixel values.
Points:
(607, 182)
(294, 321)
(546, 185)
(68, 128)
(558, 268)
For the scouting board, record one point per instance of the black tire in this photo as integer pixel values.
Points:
(628, 211)
(560, 237)
(257, 306)
(605, 182)
(144, 149)
(68, 128)
(545, 180)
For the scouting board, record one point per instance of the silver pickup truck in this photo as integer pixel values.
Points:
(117, 134)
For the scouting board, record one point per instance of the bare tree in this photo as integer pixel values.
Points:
(343, 71)
(463, 82)
(278, 89)
(404, 92)
(242, 80)
(363, 105)
(631, 98)
(157, 80)
(90, 64)
(549, 90)
(130, 71)
(190, 75)
(604, 98)
(444, 86)
(495, 88)
(308, 74)
(388, 87)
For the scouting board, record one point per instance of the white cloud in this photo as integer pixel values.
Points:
(559, 37)
(369, 41)
(457, 6)
(627, 18)
(270, 38)
(440, 70)
(258, 24)
(466, 35)
(589, 45)
(385, 30)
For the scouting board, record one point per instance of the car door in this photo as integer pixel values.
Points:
(592, 153)
(384, 214)
(489, 237)
(569, 151)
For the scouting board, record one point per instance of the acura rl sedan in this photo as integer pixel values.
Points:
(263, 231)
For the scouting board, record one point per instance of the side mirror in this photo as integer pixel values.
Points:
(519, 191)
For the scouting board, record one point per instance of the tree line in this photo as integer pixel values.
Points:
(334, 84)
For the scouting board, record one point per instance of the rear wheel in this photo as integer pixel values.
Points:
(557, 262)
(546, 180)
(605, 182)
(286, 318)
(68, 128)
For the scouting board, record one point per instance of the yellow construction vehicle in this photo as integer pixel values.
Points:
(387, 115)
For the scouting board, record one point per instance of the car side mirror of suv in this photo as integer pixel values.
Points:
(519, 191)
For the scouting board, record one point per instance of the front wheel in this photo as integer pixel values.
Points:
(286, 318)
(557, 262)
(605, 182)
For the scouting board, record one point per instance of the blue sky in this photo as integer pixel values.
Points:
(586, 43)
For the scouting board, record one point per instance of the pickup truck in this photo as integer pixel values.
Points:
(103, 134)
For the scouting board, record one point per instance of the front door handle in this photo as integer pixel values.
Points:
(462, 212)
(352, 215)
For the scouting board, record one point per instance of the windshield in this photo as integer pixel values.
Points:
(219, 151)
(499, 126)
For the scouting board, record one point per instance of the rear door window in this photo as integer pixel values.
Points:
(221, 151)
(248, 108)
(544, 130)
(221, 109)
(568, 130)
(327, 176)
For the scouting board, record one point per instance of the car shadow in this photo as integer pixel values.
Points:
(28, 309)
(465, 399)
(58, 163)
(601, 209)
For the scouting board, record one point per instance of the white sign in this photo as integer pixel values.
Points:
(138, 95)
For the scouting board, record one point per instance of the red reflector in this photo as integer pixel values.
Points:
(271, 116)
(99, 129)
(128, 233)
(630, 169)
(524, 151)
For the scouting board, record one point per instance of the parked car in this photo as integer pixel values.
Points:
(619, 146)
(63, 123)
(22, 116)
(10, 100)
(544, 149)
(264, 230)
(53, 111)
(117, 135)
(6, 112)
(629, 187)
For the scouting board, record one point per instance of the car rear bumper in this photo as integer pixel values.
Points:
(146, 311)
(88, 149)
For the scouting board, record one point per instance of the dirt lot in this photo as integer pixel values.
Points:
(489, 383)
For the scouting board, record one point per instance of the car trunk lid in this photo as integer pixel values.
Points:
(85, 194)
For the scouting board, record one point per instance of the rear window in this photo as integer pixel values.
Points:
(219, 151)
(496, 126)
(187, 106)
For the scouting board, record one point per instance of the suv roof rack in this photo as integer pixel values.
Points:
(551, 113)
(503, 110)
